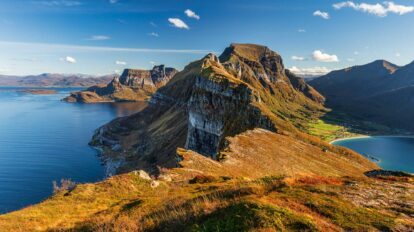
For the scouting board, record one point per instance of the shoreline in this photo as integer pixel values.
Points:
(370, 136)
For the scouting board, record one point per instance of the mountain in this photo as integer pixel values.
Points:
(221, 147)
(246, 87)
(132, 85)
(53, 79)
(378, 92)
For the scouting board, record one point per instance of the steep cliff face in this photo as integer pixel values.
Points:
(211, 99)
(220, 107)
(132, 85)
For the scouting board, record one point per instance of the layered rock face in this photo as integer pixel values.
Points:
(211, 99)
(132, 85)
(218, 108)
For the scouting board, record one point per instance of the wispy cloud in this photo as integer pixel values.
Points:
(191, 14)
(324, 57)
(178, 23)
(118, 62)
(301, 30)
(99, 37)
(324, 15)
(298, 58)
(380, 10)
(153, 34)
(80, 48)
(59, 3)
(313, 71)
(31, 60)
(113, 1)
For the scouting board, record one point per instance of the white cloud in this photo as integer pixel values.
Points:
(68, 59)
(301, 30)
(397, 54)
(350, 59)
(113, 1)
(380, 10)
(152, 62)
(324, 15)
(324, 57)
(79, 48)
(153, 24)
(298, 58)
(191, 14)
(117, 71)
(118, 62)
(314, 71)
(59, 3)
(178, 23)
(153, 34)
(99, 37)
(356, 53)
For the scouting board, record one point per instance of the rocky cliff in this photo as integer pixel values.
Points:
(246, 87)
(132, 85)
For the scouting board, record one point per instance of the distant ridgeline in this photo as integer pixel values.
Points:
(380, 91)
(132, 85)
(53, 79)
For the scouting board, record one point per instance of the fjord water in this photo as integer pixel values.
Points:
(393, 153)
(43, 139)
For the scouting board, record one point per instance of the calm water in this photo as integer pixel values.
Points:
(43, 139)
(394, 153)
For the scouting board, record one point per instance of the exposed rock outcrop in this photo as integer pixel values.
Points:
(132, 85)
(246, 87)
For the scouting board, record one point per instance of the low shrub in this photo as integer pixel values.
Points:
(65, 185)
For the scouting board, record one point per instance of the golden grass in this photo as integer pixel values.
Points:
(272, 203)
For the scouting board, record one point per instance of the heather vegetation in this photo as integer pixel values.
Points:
(129, 203)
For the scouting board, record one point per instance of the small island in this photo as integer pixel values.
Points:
(38, 91)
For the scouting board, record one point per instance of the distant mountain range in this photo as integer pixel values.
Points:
(53, 79)
(379, 91)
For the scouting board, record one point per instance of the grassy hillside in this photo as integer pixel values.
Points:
(233, 195)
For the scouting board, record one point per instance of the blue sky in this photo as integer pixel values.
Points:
(104, 36)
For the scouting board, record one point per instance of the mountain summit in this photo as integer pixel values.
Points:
(212, 99)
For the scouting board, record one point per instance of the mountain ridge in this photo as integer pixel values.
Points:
(132, 85)
(54, 79)
(356, 89)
